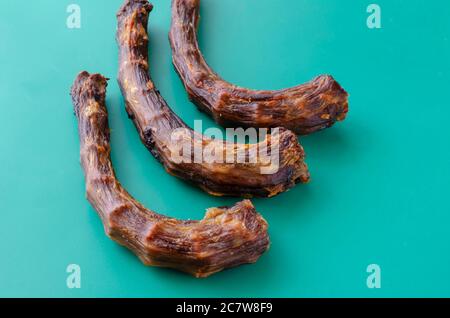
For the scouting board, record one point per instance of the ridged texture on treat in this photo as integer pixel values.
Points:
(164, 133)
(225, 238)
(303, 109)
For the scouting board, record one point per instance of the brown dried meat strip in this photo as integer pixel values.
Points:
(303, 109)
(225, 238)
(157, 124)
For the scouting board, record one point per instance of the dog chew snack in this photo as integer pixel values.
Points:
(303, 109)
(164, 133)
(225, 238)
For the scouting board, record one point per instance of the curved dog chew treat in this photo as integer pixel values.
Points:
(164, 133)
(303, 109)
(225, 238)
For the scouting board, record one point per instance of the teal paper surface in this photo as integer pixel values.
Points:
(380, 184)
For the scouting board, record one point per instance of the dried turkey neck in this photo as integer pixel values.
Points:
(157, 125)
(303, 109)
(225, 238)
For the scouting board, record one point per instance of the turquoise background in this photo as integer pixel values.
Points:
(380, 180)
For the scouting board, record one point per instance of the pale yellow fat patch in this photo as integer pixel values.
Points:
(93, 107)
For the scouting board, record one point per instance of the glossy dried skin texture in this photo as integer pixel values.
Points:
(225, 238)
(157, 123)
(303, 109)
